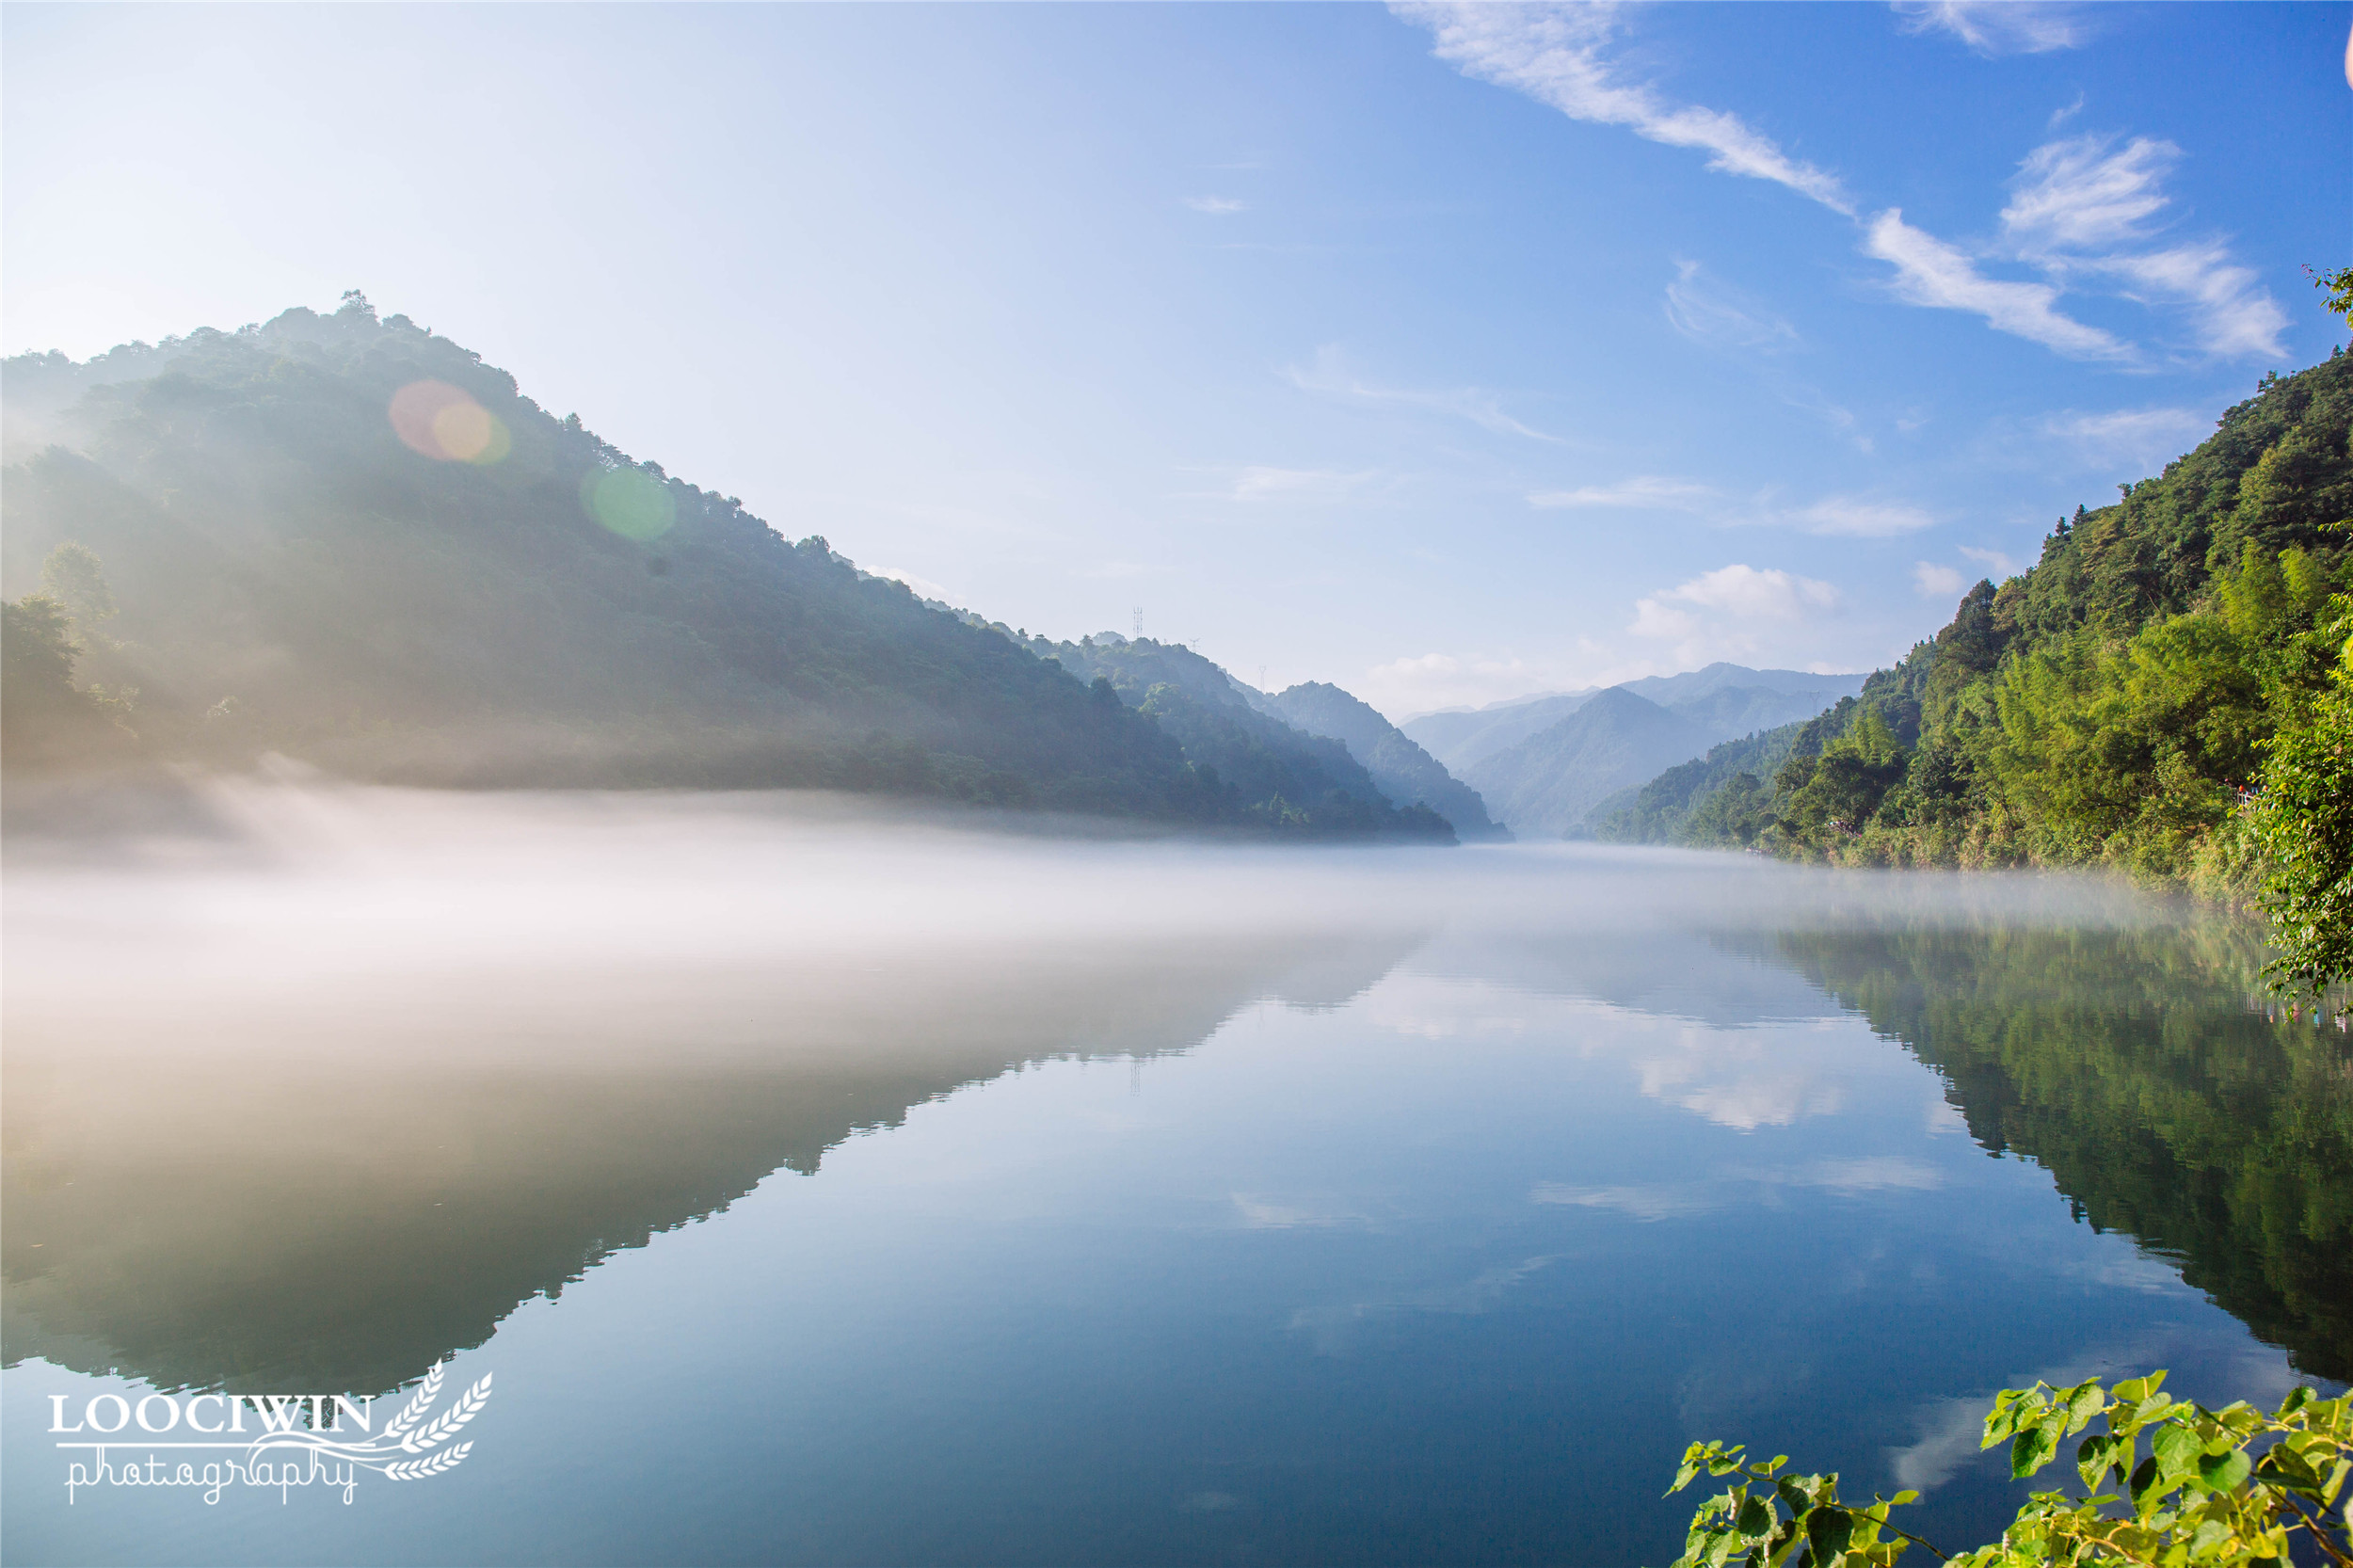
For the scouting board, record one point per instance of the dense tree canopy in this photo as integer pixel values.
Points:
(2164, 692)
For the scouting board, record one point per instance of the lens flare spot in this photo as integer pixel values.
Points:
(630, 502)
(446, 424)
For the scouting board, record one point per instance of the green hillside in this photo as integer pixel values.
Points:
(1718, 801)
(351, 542)
(1266, 768)
(2157, 693)
(1403, 771)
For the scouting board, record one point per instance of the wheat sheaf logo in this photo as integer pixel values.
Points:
(404, 1450)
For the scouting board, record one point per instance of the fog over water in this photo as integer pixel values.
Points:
(1127, 1198)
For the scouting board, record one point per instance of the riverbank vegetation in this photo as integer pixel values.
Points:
(2224, 1487)
(2168, 692)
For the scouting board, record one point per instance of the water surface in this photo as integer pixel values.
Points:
(821, 1188)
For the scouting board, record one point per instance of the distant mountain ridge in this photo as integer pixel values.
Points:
(1544, 785)
(1544, 764)
(1461, 738)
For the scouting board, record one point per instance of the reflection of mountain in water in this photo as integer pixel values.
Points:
(2131, 1066)
(281, 1219)
(1659, 970)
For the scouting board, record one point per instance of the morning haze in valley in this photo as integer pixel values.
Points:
(1159, 785)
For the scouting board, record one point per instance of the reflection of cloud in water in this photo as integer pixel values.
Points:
(1950, 1430)
(1870, 1173)
(1743, 1078)
(1332, 1328)
(1951, 1427)
(1650, 1202)
(1667, 974)
(1770, 1075)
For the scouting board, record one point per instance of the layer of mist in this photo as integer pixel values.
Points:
(429, 1055)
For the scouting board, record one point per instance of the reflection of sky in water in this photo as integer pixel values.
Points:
(926, 1199)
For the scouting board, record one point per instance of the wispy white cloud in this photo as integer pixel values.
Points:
(1216, 206)
(1932, 273)
(2136, 435)
(1930, 581)
(1737, 594)
(2071, 198)
(1850, 516)
(1838, 516)
(2076, 194)
(1996, 564)
(1263, 482)
(1428, 682)
(1329, 375)
(1713, 313)
(2084, 206)
(1840, 420)
(2235, 314)
(1555, 54)
(1994, 27)
(1643, 492)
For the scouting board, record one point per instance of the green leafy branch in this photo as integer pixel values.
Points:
(1750, 1525)
(2220, 1487)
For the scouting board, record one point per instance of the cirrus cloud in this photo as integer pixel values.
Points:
(1555, 54)
(1644, 491)
(1992, 27)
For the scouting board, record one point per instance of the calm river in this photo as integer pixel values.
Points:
(813, 1189)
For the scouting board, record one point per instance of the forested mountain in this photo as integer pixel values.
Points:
(1461, 740)
(1723, 699)
(351, 542)
(1721, 800)
(1404, 772)
(1544, 786)
(1306, 783)
(2115, 703)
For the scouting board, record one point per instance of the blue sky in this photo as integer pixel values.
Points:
(1444, 354)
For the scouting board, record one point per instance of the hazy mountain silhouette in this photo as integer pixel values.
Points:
(1554, 785)
(1543, 786)
(1404, 772)
(1724, 700)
